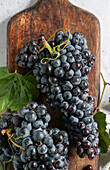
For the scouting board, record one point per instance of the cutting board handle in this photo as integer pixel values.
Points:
(53, 2)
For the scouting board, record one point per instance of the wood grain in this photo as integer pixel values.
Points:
(45, 17)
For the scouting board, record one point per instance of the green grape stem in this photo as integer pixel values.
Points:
(46, 45)
(55, 49)
(10, 137)
(105, 84)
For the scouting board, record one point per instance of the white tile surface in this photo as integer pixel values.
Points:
(101, 8)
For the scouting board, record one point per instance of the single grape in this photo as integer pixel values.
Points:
(31, 151)
(33, 165)
(39, 136)
(31, 116)
(27, 142)
(42, 149)
(89, 167)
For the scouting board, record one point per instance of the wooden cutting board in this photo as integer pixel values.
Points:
(45, 17)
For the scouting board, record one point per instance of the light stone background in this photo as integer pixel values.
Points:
(101, 8)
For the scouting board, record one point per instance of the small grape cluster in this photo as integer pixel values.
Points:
(65, 82)
(28, 55)
(34, 146)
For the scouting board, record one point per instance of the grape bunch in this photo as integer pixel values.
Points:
(35, 145)
(65, 82)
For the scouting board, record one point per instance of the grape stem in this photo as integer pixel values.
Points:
(46, 45)
(28, 73)
(10, 137)
(16, 71)
(54, 50)
(105, 84)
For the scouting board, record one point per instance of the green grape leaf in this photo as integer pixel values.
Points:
(104, 140)
(100, 118)
(3, 72)
(17, 90)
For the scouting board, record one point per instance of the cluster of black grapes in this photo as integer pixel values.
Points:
(65, 83)
(35, 145)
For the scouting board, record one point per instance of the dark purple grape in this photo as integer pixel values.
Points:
(91, 156)
(86, 132)
(17, 120)
(88, 167)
